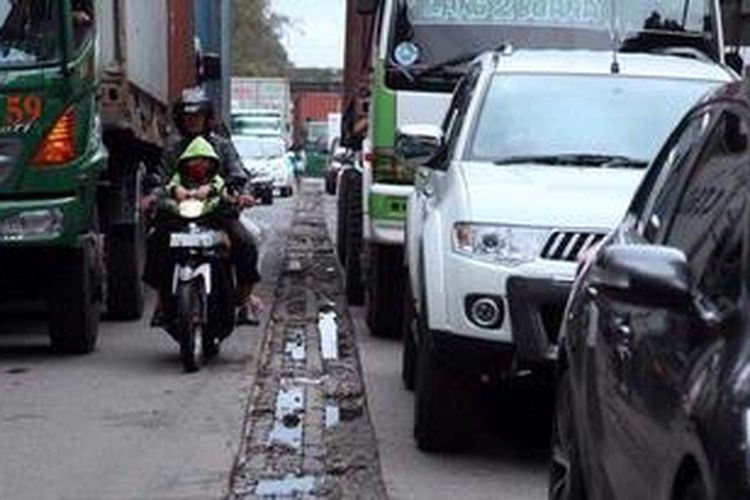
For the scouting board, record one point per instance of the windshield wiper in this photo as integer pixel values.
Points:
(580, 160)
(443, 66)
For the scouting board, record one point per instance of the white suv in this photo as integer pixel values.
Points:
(537, 159)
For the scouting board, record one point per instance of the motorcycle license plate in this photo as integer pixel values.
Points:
(195, 240)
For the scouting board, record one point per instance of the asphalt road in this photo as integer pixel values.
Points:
(507, 461)
(124, 422)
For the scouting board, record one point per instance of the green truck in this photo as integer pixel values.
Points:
(85, 87)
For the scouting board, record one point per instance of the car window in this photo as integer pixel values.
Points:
(542, 115)
(708, 223)
(663, 181)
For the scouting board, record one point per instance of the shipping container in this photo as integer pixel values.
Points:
(313, 107)
(148, 57)
(213, 21)
(261, 93)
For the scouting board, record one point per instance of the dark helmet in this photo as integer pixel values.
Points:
(193, 100)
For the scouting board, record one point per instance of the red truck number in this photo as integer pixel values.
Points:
(22, 110)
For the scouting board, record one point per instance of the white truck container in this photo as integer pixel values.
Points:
(261, 93)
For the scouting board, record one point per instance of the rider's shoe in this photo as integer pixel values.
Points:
(212, 347)
(246, 317)
(158, 320)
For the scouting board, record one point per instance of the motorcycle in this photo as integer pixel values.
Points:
(203, 286)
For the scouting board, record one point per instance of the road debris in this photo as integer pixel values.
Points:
(308, 432)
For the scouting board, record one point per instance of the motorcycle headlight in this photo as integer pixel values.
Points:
(506, 245)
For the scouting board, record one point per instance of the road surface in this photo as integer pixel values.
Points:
(125, 422)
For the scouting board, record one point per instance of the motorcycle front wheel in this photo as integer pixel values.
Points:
(190, 325)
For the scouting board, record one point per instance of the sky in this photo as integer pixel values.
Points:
(316, 36)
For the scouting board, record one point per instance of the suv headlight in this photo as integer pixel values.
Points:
(507, 245)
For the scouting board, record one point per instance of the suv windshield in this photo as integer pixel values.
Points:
(577, 120)
(29, 32)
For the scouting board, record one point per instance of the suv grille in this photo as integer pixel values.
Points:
(567, 245)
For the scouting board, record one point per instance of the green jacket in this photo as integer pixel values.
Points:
(198, 148)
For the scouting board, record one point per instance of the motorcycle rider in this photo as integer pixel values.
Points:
(192, 116)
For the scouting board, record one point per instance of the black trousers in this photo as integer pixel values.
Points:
(158, 270)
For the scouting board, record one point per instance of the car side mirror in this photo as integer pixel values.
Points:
(643, 275)
(367, 7)
(416, 145)
(735, 61)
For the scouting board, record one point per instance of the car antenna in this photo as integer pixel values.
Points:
(615, 35)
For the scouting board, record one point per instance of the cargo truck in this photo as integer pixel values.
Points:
(261, 107)
(85, 89)
(402, 62)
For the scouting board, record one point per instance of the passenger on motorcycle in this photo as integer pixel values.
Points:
(192, 115)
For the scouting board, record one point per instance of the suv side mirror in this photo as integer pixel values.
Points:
(734, 60)
(416, 145)
(644, 275)
(367, 7)
(211, 67)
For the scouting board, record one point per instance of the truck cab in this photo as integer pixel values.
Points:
(51, 159)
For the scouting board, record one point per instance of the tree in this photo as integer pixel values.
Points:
(256, 44)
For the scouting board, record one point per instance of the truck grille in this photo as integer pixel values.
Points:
(10, 150)
(567, 245)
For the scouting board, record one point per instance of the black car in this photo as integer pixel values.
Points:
(653, 395)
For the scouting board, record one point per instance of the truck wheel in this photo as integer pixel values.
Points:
(409, 351)
(74, 301)
(330, 182)
(440, 410)
(351, 198)
(383, 298)
(126, 249)
(341, 207)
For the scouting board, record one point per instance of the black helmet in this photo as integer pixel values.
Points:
(193, 100)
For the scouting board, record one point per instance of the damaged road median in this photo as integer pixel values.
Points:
(308, 432)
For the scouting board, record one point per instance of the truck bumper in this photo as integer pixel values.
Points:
(385, 216)
(25, 272)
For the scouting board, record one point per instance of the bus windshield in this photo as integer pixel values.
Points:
(29, 32)
(425, 33)
(681, 15)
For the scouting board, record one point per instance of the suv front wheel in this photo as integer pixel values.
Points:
(441, 410)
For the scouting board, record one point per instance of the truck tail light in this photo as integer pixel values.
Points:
(58, 147)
